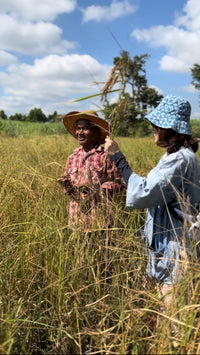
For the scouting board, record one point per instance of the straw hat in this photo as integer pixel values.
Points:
(71, 118)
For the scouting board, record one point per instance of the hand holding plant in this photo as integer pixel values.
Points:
(111, 147)
(66, 183)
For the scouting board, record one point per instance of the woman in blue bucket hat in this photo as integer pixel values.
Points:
(168, 190)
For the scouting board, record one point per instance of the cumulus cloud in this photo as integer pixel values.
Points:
(7, 58)
(180, 40)
(38, 10)
(190, 89)
(51, 82)
(31, 38)
(191, 16)
(108, 13)
(173, 64)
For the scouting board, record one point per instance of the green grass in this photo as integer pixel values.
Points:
(30, 129)
(55, 291)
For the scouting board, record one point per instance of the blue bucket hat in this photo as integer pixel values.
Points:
(172, 112)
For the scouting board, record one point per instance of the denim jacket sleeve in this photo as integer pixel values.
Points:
(162, 183)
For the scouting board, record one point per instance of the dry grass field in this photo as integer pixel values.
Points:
(65, 293)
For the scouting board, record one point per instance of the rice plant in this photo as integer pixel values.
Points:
(63, 292)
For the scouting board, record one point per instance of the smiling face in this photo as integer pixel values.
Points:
(86, 134)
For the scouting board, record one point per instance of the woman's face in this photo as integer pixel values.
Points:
(159, 136)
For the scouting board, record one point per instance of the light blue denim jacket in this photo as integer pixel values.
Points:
(175, 181)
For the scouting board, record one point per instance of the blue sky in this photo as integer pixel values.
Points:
(53, 51)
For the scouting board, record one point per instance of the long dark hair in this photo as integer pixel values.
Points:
(176, 141)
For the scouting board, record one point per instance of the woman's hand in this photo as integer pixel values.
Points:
(111, 147)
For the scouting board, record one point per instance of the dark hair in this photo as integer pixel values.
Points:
(176, 140)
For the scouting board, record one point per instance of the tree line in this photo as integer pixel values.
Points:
(126, 111)
(35, 115)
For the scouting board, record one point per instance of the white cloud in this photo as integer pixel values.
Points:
(108, 13)
(50, 82)
(173, 64)
(31, 38)
(181, 40)
(7, 58)
(195, 115)
(37, 9)
(191, 17)
(190, 89)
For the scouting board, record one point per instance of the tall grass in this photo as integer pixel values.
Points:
(30, 129)
(65, 293)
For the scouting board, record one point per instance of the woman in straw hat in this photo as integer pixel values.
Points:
(169, 189)
(89, 178)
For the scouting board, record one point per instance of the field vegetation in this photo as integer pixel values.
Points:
(65, 293)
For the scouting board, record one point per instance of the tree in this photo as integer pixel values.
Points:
(195, 71)
(17, 117)
(135, 98)
(196, 76)
(52, 117)
(36, 115)
(3, 115)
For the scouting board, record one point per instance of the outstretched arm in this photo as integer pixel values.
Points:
(112, 151)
